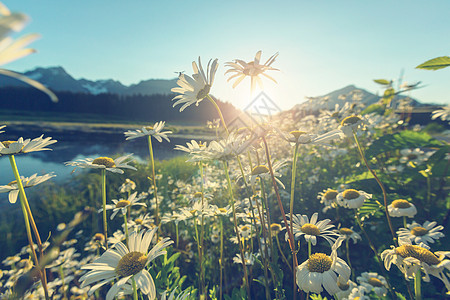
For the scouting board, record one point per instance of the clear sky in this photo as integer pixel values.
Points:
(322, 45)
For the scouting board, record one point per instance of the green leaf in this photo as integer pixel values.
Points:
(382, 81)
(401, 140)
(370, 208)
(435, 63)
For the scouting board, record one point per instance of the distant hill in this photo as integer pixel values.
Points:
(57, 79)
(349, 93)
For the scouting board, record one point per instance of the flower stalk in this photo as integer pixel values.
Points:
(155, 191)
(105, 221)
(417, 284)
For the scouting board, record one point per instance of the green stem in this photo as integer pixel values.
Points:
(309, 248)
(348, 257)
(200, 258)
(294, 171)
(219, 112)
(61, 271)
(221, 258)
(361, 152)
(202, 233)
(417, 284)
(126, 227)
(135, 295)
(155, 191)
(105, 221)
(176, 230)
(230, 188)
(404, 221)
(282, 254)
(23, 205)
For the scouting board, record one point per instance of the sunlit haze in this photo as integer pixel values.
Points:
(322, 45)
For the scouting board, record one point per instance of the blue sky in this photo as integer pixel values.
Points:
(322, 45)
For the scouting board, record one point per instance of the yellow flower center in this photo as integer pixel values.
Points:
(198, 194)
(350, 120)
(345, 231)
(104, 161)
(351, 194)
(122, 203)
(343, 286)
(245, 228)
(357, 298)
(12, 182)
(400, 203)
(99, 237)
(419, 253)
(297, 133)
(319, 262)
(258, 170)
(222, 210)
(375, 282)
(7, 143)
(148, 127)
(203, 92)
(330, 195)
(193, 212)
(131, 264)
(419, 231)
(310, 229)
(139, 221)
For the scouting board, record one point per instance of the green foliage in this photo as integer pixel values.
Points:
(382, 81)
(373, 108)
(435, 63)
(237, 294)
(317, 297)
(401, 140)
(370, 208)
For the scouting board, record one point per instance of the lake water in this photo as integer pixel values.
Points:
(74, 144)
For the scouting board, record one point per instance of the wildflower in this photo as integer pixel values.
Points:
(194, 89)
(143, 221)
(122, 204)
(275, 229)
(312, 229)
(112, 165)
(358, 293)
(241, 69)
(345, 289)
(414, 156)
(348, 233)
(443, 114)
(248, 258)
(228, 148)
(323, 270)
(1, 127)
(425, 233)
(371, 281)
(123, 263)
(350, 124)
(263, 173)
(303, 137)
(13, 189)
(154, 131)
(402, 208)
(195, 150)
(127, 186)
(328, 198)
(409, 258)
(351, 198)
(25, 146)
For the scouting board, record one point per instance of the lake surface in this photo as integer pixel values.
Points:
(75, 143)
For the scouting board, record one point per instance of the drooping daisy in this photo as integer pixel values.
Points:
(371, 281)
(328, 198)
(351, 198)
(124, 264)
(275, 229)
(123, 204)
(240, 69)
(154, 131)
(312, 229)
(323, 271)
(348, 233)
(409, 258)
(263, 172)
(194, 89)
(350, 124)
(13, 189)
(426, 233)
(402, 208)
(25, 146)
(112, 165)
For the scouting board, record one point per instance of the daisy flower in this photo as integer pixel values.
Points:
(414, 156)
(227, 148)
(323, 271)
(121, 264)
(112, 165)
(196, 150)
(25, 146)
(425, 233)
(240, 69)
(13, 189)
(348, 233)
(303, 137)
(248, 258)
(154, 131)
(122, 204)
(263, 173)
(1, 127)
(194, 89)
(443, 114)
(142, 221)
(350, 124)
(351, 198)
(328, 198)
(408, 258)
(402, 208)
(312, 229)
(345, 289)
(127, 186)
(371, 281)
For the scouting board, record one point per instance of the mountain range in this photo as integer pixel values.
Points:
(57, 79)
